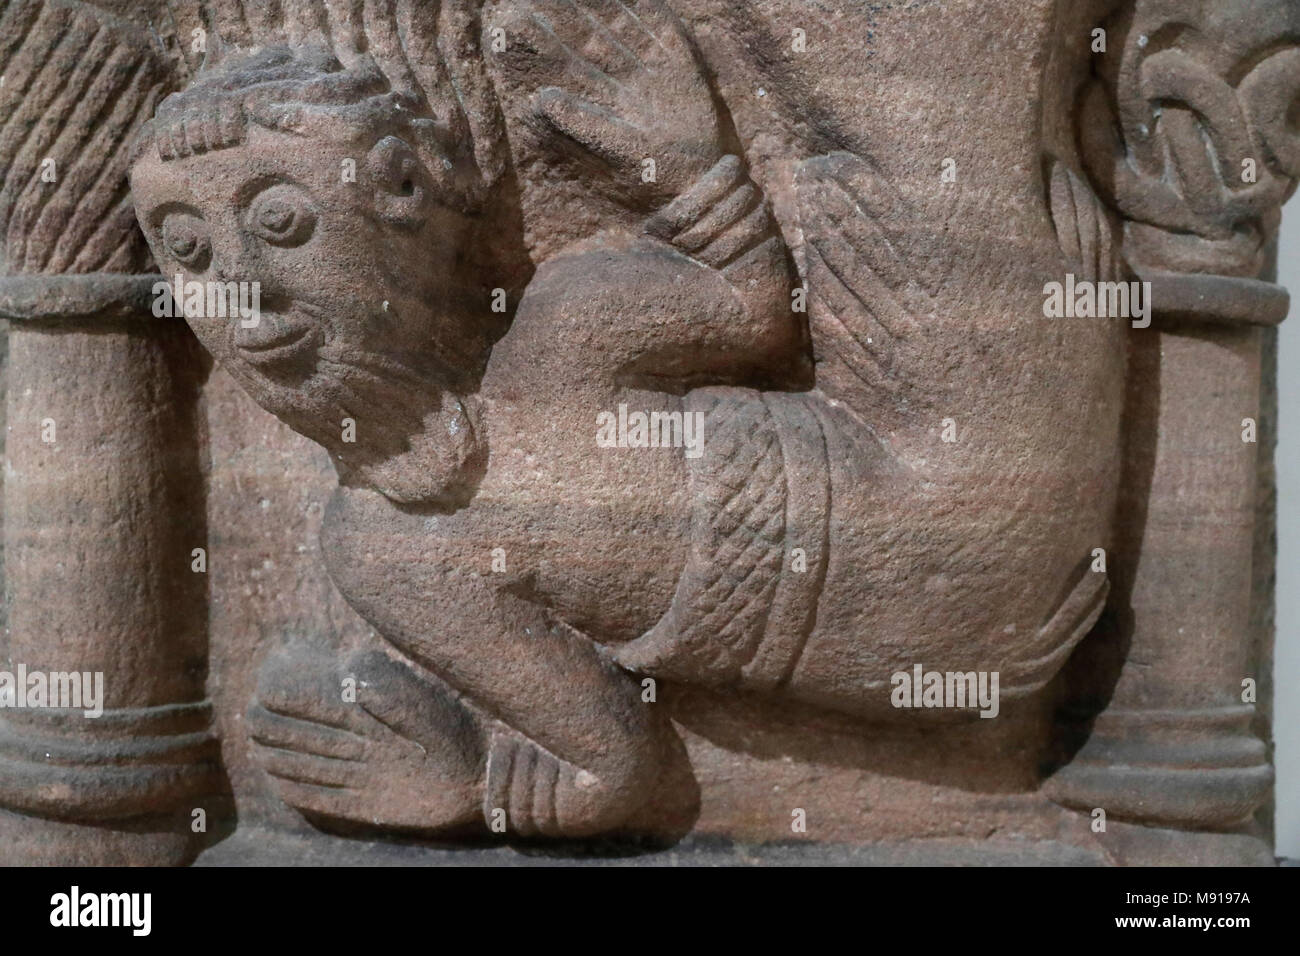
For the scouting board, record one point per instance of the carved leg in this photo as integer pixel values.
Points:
(572, 749)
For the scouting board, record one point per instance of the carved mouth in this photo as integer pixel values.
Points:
(278, 336)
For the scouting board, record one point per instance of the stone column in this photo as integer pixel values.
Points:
(1174, 745)
(103, 497)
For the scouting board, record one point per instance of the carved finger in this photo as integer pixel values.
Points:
(308, 768)
(304, 684)
(598, 130)
(306, 22)
(545, 780)
(669, 48)
(690, 206)
(1120, 180)
(737, 239)
(290, 733)
(417, 709)
(627, 29)
(535, 55)
(337, 802)
(585, 34)
(725, 213)
(500, 770)
(522, 792)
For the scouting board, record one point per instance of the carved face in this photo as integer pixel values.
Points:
(351, 256)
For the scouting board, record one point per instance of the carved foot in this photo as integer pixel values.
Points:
(405, 754)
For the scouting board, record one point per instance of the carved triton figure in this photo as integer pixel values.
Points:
(825, 538)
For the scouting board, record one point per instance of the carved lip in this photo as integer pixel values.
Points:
(277, 337)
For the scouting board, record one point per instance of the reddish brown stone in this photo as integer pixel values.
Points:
(815, 244)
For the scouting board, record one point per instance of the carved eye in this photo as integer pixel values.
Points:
(185, 237)
(282, 215)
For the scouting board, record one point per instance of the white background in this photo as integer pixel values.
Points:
(1286, 719)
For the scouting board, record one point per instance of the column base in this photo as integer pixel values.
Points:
(1192, 769)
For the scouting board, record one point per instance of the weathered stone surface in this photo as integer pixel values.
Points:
(404, 553)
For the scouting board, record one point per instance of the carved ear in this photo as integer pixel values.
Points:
(401, 182)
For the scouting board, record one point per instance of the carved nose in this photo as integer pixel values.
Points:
(232, 262)
(227, 269)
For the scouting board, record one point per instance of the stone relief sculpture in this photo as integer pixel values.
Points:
(1198, 123)
(690, 405)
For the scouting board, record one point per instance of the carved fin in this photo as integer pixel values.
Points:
(1070, 623)
(865, 298)
(1085, 227)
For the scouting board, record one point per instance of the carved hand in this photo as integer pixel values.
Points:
(403, 754)
(619, 86)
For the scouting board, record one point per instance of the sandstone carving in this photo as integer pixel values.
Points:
(692, 402)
